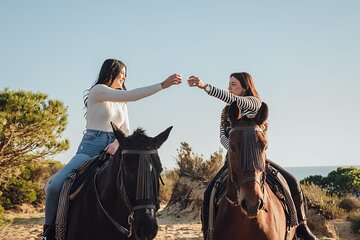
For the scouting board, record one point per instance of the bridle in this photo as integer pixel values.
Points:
(236, 183)
(145, 160)
(237, 186)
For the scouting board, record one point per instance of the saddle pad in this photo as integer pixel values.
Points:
(72, 185)
(280, 188)
(277, 184)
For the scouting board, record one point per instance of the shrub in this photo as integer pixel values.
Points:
(28, 185)
(194, 166)
(2, 220)
(326, 205)
(170, 177)
(17, 191)
(342, 182)
(354, 217)
(314, 179)
(349, 204)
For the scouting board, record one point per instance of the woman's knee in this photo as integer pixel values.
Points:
(52, 188)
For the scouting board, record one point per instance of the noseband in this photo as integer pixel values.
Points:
(143, 191)
(237, 186)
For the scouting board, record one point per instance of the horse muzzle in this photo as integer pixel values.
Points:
(251, 208)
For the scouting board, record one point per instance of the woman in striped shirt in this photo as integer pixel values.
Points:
(242, 90)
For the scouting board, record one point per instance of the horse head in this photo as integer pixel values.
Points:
(139, 177)
(246, 160)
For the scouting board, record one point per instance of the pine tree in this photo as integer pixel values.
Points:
(30, 129)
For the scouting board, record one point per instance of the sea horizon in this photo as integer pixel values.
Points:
(302, 172)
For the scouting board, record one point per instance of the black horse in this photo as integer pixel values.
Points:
(119, 199)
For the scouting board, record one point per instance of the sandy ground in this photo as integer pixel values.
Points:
(29, 227)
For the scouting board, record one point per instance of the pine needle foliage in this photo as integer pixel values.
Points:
(30, 129)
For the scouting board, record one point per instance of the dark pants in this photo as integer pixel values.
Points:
(290, 179)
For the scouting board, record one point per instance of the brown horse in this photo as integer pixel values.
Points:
(249, 209)
(119, 200)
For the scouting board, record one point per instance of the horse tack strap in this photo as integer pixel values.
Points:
(249, 179)
(248, 128)
(122, 229)
(130, 151)
(145, 206)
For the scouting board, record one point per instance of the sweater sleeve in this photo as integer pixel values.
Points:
(102, 92)
(224, 140)
(249, 105)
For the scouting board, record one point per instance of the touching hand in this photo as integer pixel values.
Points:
(174, 79)
(112, 147)
(194, 81)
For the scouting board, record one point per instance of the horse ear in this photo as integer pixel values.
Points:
(234, 113)
(161, 138)
(262, 114)
(119, 135)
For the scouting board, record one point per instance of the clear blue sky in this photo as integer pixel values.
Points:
(304, 57)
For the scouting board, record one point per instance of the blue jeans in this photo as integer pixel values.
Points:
(92, 143)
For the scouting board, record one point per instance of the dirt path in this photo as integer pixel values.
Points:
(29, 227)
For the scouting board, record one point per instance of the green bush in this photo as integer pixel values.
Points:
(342, 182)
(17, 191)
(28, 185)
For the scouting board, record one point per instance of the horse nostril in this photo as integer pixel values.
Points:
(261, 204)
(244, 205)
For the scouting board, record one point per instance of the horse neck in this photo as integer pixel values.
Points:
(108, 177)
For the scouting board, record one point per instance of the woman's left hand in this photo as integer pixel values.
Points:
(112, 147)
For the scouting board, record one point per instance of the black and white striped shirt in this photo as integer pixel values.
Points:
(249, 105)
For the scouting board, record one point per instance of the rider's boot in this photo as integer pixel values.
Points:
(302, 231)
(48, 232)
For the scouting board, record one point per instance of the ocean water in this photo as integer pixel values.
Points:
(302, 172)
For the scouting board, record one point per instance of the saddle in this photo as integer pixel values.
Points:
(277, 184)
(71, 187)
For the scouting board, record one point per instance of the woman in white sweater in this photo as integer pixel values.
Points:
(105, 102)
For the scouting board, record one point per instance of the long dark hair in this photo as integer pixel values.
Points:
(109, 71)
(247, 83)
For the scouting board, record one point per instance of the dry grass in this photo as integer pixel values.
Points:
(333, 207)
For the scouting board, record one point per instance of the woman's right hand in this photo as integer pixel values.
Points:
(112, 147)
(174, 79)
(194, 81)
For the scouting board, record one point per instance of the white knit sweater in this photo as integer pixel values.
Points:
(105, 105)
